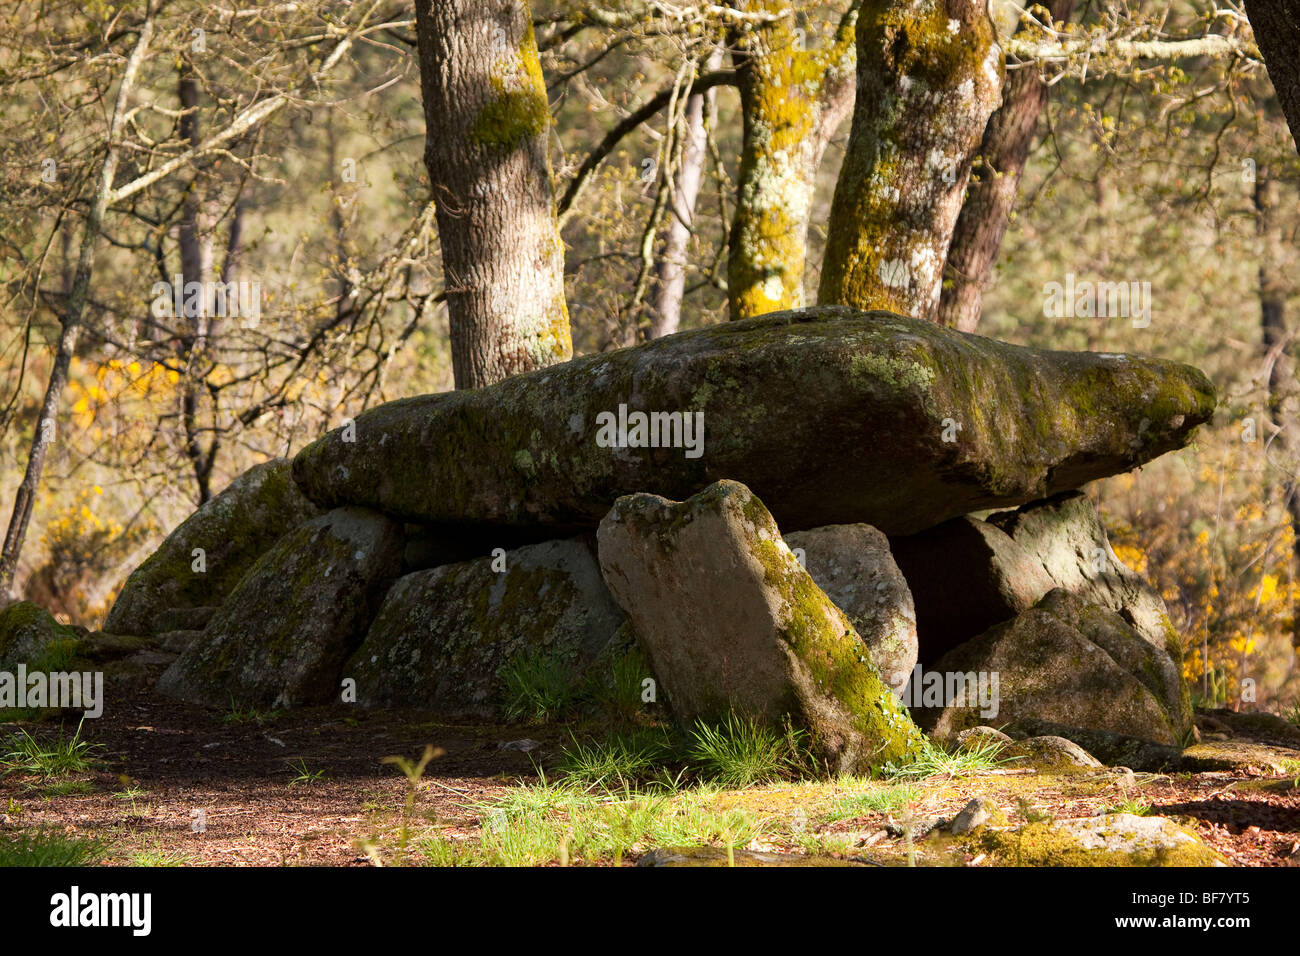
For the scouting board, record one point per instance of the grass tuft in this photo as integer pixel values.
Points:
(621, 762)
(880, 800)
(51, 759)
(537, 688)
(740, 753)
(934, 761)
(46, 847)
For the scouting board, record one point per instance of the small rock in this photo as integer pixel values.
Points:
(1116, 839)
(1110, 748)
(1238, 756)
(972, 816)
(920, 828)
(526, 745)
(975, 737)
(1051, 753)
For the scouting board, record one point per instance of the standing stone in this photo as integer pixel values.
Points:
(731, 623)
(282, 636)
(443, 635)
(231, 530)
(1066, 536)
(965, 576)
(30, 635)
(1068, 662)
(851, 563)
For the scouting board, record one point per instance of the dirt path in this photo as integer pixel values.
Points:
(182, 785)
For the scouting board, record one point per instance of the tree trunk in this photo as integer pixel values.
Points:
(1273, 288)
(45, 431)
(487, 121)
(929, 77)
(195, 241)
(792, 101)
(667, 314)
(1276, 24)
(991, 194)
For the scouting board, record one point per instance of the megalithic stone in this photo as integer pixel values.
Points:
(830, 415)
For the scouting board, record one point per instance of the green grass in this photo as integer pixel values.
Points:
(881, 800)
(622, 762)
(547, 822)
(1293, 714)
(739, 753)
(304, 776)
(41, 847)
(441, 851)
(620, 696)
(934, 761)
(1134, 805)
(50, 759)
(64, 788)
(537, 688)
(160, 858)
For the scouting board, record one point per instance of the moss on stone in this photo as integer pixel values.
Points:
(1049, 844)
(30, 635)
(820, 444)
(837, 660)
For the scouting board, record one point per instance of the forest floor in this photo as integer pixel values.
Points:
(170, 784)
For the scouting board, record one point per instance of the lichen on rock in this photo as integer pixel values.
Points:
(731, 623)
(231, 530)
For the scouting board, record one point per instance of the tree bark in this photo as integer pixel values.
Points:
(487, 121)
(195, 242)
(1273, 288)
(1276, 24)
(929, 77)
(991, 194)
(45, 432)
(792, 100)
(667, 314)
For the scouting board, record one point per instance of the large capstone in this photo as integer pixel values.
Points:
(731, 623)
(831, 416)
(202, 560)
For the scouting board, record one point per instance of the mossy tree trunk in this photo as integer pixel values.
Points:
(792, 100)
(991, 194)
(929, 77)
(487, 121)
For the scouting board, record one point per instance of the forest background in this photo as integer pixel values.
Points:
(281, 146)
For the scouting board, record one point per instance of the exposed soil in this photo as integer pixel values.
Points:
(205, 788)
